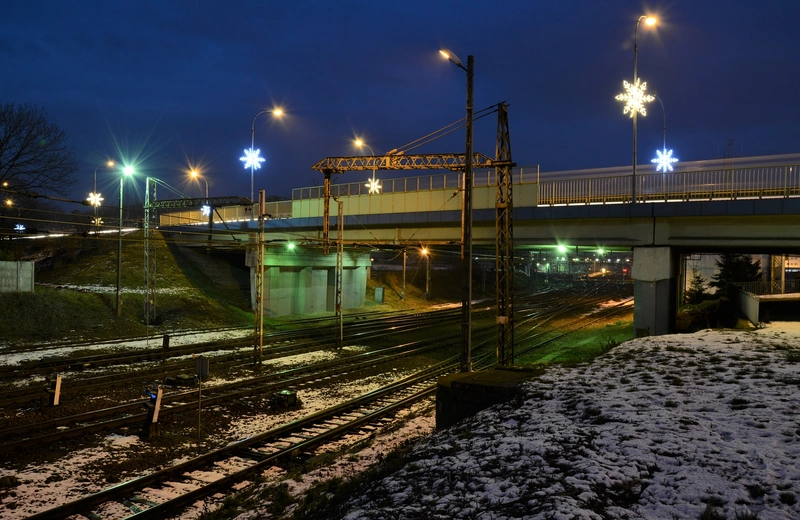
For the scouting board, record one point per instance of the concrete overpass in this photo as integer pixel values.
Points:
(741, 207)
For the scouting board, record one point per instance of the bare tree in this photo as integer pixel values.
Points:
(34, 154)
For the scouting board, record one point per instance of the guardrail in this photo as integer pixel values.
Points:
(719, 184)
(770, 287)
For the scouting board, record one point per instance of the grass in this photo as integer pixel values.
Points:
(186, 298)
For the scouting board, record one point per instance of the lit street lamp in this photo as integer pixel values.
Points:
(426, 253)
(466, 219)
(205, 210)
(127, 171)
(664, 159)
(251, 157)
(95, 198)
(374, 184)
(635, 97)
(196, 175)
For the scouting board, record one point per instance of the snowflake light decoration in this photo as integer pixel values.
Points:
(374, 185)
(635, 97)
(664, 160)
(19, 228)
(95, 199)
(205, 210)
(251, 158)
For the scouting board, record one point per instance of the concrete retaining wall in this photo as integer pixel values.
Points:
(16, 277)
(746, 302)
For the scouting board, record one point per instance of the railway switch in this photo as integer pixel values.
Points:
(151, 428)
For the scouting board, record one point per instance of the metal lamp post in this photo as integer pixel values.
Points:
(207, 207)
(94, 198)
(634, 96)
(127, 171)
(251, 159)
(466, 219)
(373, 185)
(195, 174)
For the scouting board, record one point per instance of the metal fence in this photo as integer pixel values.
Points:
(447, 181)
(717, 184)
(770, 287)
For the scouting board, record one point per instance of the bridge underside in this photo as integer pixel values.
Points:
(657, 234)
(300, 281)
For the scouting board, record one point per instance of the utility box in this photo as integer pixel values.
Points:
(379, 294)
(284, 399)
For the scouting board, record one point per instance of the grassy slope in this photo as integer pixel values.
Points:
(186, 299)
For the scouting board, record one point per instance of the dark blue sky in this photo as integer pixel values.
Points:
(169, 84)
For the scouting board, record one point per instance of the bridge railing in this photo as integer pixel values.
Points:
(770, 287)
(446, 181)
(717, 184)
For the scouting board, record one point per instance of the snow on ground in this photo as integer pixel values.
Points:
(44, 486)
(663, 427)
(12, 355)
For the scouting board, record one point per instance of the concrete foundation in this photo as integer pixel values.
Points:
(304, 281)
(654, 291)
(464, 394)
(16, 276)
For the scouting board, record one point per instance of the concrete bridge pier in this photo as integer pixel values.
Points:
(655, 274)
(304, 281)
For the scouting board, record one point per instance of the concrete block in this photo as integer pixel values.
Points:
(464, 394)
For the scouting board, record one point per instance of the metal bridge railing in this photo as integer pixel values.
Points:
(770, 287)
(448, 181)
(718, 184)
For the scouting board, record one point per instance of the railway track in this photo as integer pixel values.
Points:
(144, 497)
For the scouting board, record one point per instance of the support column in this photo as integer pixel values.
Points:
(654, 291)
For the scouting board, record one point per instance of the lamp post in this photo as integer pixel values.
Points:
(196, 175)
(664, 159)
(466, 219)
(127, 171)
(373, 185)
(634, 96)
(206, 210)
(95, 198)
(251, 157)
(426, 253)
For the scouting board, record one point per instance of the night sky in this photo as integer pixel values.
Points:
(169, 85)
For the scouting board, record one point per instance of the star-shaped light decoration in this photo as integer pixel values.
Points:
(205, 210)
(251, 158)
(97, 221)
(374, 185)
(635, 98)
(95, 199)
(664, 160)
(19, 228)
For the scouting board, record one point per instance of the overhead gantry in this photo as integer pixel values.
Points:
(502, 164)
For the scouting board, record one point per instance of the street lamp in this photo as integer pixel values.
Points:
(205, 210)
(374, 184)
(634, 96)
(127, 171)
(95, 198)
(251, 157)
(426, 253)
(466, 219)
(196, 175)
(664, 159)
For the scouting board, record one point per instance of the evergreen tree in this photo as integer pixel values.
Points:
(735, 268)
(696, 292)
